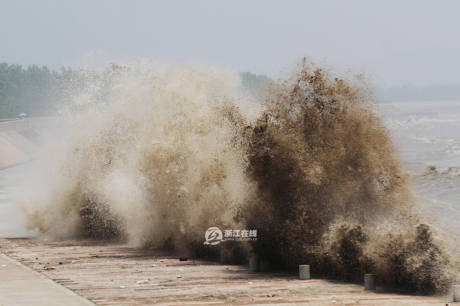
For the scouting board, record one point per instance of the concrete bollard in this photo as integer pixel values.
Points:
(304, 272)
(264, 265)
(456, 292)
(369, 282)
(223, 258)
(253, 264)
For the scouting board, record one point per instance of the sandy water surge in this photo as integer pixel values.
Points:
(152, 161)
(156, 155)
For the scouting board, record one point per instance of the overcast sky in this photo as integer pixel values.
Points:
(394, 42)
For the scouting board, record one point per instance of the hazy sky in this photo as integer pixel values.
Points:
(394, 42)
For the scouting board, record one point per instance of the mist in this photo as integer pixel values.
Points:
(170, 150)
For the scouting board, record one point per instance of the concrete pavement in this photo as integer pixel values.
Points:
(19, 285)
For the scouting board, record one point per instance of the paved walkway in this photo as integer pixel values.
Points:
(114, 274)
(19, 285)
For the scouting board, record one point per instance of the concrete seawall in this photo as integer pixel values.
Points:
(19, 139)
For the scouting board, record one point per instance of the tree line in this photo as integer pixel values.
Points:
(35, 90)
(30, 90)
